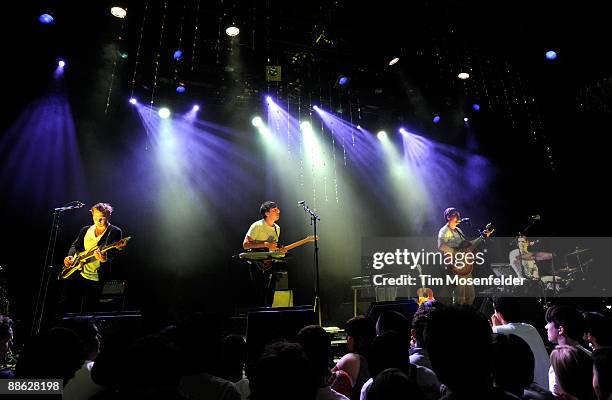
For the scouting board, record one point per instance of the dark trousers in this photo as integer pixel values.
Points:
(263, 284)
(80, 294)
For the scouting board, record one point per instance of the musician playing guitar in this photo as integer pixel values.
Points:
(451, 239)
(263, 235)
(82, 289)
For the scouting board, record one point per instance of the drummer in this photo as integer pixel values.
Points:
(523, 261)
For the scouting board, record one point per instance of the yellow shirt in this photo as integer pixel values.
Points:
(90, 270)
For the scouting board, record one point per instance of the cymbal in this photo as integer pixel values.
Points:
(577, 251)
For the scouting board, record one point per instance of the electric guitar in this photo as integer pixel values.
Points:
(462, 267)
(82, 258)
(265, 259)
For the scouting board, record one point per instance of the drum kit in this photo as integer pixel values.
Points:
(546, 285)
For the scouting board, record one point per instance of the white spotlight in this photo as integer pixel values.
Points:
(232, 31)
(394, 61)
(118, 12)
(257, 122)
(164, 113)
(382, 135)
(463, 75)
(305, 125)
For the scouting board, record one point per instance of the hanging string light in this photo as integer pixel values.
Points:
(159, 49)
(115, 61)
(180, 43)
(195, 34)
(137, 58)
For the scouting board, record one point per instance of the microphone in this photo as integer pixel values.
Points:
(534, 217)
(72, 206)
(301, 202)
(534, 242)
(464, 220)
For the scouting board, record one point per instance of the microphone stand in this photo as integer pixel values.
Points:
(39, 308)
(313, 221)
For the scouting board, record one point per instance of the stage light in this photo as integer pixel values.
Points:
(475, 107)
(232, 31)
(123, 54)
(316, 108)
(394, 61)
(178, 55)
(46, 19)
(181, 89)
(133, 100)
(403, 131)
(359, 127)
(305, 126)
(164, 113)
(551, 54)
(196, 107)
(436, 119)
(382, 135)
(257, 122)
(118, 12)
(463, 75)
(61, 63)
(342, 82)
(465, 119)
(269, 99)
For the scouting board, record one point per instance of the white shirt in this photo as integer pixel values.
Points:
(530, 334)
(81, 386)
(262, 232)
(529, 266)
(327, 393)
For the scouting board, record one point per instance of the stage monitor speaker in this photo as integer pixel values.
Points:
(405, 307)
(282, 298)
(113, 325)
(268, 325)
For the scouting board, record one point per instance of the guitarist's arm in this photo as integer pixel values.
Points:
(115, 234)
(250, 243)
(75, 247)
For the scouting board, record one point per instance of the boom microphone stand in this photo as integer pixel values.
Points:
(313, 221)
(39, 308)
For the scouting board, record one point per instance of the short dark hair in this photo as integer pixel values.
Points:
(449, 212)
(508, 307)
(513, 363)
(363, 330)
(266, 206)
(394, 321)
(567, 317)
(393, 383)
(599, 326)
(283, 368)
(469, 330)
(317, 345)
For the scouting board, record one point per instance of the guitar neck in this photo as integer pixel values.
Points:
(297, 244)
